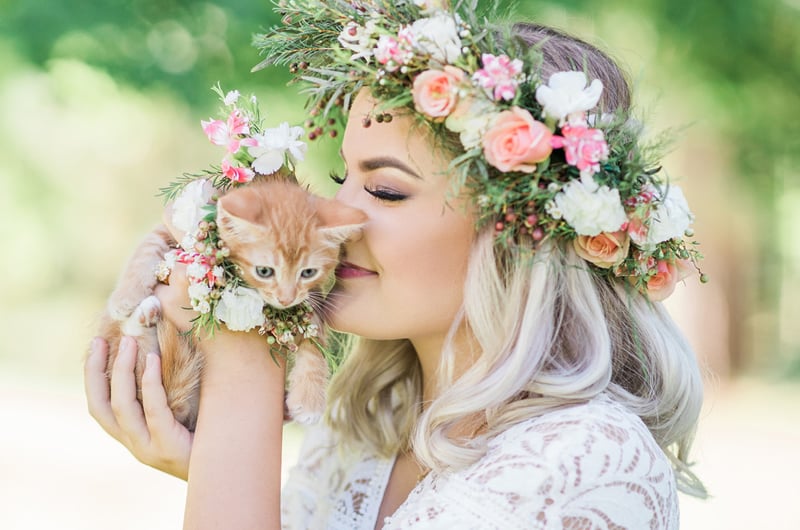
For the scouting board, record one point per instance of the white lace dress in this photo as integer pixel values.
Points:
(591, 466)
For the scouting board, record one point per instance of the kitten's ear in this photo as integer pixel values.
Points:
(339, 221)
(231, 210)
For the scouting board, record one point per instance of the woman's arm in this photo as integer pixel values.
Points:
(235, 464)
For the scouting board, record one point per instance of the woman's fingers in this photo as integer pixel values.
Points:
(170, 440)
(127, 409)
(97, 389)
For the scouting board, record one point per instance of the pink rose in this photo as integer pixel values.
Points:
(435, 92)
(668, 274)
(517, 142)
(604, 250)
(584, 148)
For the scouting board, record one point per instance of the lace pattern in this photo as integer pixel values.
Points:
(591, 466)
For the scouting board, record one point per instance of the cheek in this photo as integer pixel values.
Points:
(424, 270)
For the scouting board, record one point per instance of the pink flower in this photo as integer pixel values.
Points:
(499, 76)
(237, 173)
(227, 132)
(393, 52)
(585, 148)
(604, 250)
(517, 142)
(435, 92)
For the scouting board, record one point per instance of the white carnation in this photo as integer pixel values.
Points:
(668, 220)
(438, 37)
(590, 212)
(566, 95)
(187, 210)
(241, 309)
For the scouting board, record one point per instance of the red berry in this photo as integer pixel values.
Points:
(537, 234)
(499, 226)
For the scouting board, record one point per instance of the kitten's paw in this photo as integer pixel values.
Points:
(306, 405)
(148, 311)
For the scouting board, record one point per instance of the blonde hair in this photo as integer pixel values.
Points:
(549, 332)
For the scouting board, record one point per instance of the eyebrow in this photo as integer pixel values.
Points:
(371, 164)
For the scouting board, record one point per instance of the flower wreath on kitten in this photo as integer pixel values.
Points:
(216, 290)
(540, 159)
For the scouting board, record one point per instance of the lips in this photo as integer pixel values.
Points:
(347, 270)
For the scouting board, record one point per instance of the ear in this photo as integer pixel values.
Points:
(339, 221)
(231, 212)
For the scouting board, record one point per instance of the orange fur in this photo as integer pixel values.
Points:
(271, 224)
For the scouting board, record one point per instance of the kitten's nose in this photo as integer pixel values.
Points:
(286, 298)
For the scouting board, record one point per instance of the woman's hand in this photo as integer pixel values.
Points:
(148, 430)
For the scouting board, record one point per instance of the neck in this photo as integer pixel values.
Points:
(429, 351)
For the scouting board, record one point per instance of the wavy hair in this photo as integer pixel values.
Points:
(550, 333)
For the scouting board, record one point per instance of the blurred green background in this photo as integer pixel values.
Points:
(100, 105)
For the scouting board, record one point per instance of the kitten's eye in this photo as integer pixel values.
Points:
(308, 273)
(334, 176)
(265, 272)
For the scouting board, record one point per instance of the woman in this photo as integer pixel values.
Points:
(512, 367)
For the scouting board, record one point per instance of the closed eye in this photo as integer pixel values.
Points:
(385, 194)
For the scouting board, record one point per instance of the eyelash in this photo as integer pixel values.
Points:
(382, 194)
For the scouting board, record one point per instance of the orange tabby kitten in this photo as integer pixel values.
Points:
(286, 245)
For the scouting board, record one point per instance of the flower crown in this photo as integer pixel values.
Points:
(216, 290)
(539, 161)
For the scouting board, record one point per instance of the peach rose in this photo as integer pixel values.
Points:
(517, 142)
(662, 283)
(435, 92)
(605, 250)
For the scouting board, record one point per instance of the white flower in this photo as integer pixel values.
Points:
(668, 220)
(438, 37)
(241, 309)
(202, 307)
(358, 39)
(312, 330)
(566, 96)
(196, 271)
(552, 210)
(471, 119)
(188, 241)
(218, 272)
(273, 144)
(231, 97)
(590, 212)
(187, 210)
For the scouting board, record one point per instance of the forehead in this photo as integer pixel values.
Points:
(401, 138)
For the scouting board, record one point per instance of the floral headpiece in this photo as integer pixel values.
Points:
(216, 290)
(537, 158)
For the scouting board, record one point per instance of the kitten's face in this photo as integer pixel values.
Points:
(285, 241)
(284, 276)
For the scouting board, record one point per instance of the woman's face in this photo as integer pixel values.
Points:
(403, 278)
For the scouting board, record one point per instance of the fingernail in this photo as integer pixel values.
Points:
(126, 342)
(95, 344)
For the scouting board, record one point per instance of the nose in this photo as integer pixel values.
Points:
(286, 297)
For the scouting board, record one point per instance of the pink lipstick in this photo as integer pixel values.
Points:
(346, 271)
